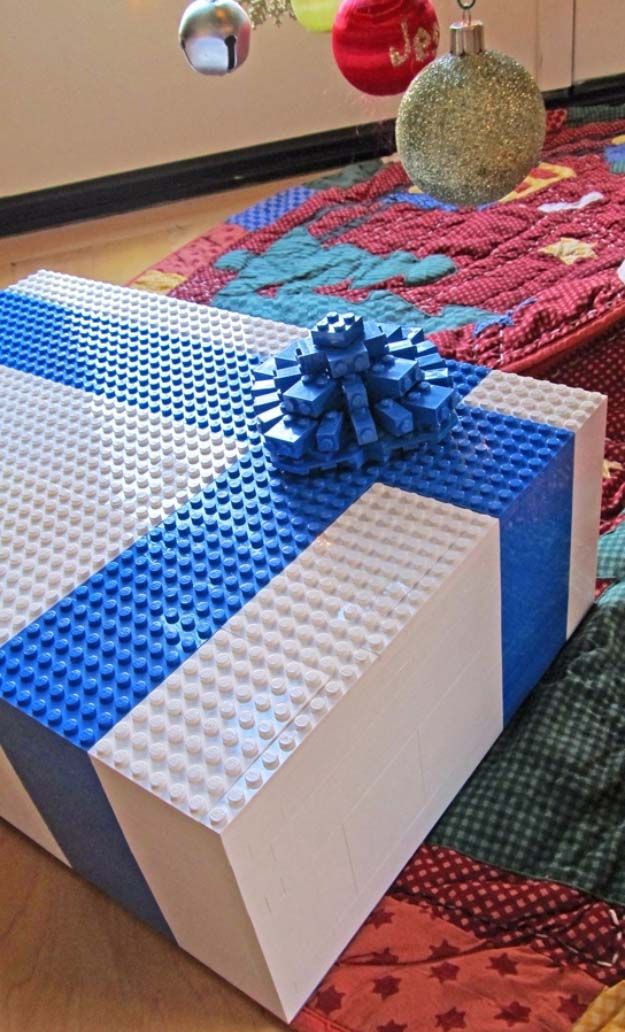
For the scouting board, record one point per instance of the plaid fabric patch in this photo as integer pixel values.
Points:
(611, 564)
(549, 798)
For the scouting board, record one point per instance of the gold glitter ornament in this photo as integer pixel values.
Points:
(472, 124)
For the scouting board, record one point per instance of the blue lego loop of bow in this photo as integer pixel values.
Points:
(354, 391)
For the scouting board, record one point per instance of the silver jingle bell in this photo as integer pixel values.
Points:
(215, 36)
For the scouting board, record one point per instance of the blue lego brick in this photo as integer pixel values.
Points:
(430, 405)
(266, 212)
(396, 333)
(364, 426)
(355, 394)
(441, 377)
(330, 432)
(269, 418)
(392, 378)
(344, 361)
(291, 355)
(393, 417)
(264, 402)
(286, 377)
(263, 387)
(522, 474)
(337, 330)
(424, 347)
(403, 349)
(310, 398)
(431, 361)
(374, 340)
(291, 436)
(264, 370)
(65, 789)
(313, 363)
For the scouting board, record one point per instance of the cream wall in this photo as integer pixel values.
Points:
(100, 86)
(599, 39)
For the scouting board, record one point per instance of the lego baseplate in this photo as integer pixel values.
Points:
(235, 699)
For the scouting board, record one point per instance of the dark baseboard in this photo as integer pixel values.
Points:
(128, 191)
(609, 90)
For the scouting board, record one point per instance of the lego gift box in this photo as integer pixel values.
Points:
(237, 698)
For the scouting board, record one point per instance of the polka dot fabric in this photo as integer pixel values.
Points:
(602, 364)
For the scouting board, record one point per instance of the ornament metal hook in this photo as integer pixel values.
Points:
(466, 6)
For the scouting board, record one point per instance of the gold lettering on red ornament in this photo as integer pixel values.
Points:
(422, 44)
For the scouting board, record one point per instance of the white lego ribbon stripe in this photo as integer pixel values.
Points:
(82, 479)
(17, 807)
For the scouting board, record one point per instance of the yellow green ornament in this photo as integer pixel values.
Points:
(316, 15)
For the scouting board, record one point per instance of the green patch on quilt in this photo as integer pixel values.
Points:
(297, 265)
(347, 176)
(548, 801)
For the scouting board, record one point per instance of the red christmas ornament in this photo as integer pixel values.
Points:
(380, 45)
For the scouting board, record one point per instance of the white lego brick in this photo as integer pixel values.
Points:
(584, 414)
(17, 807)
(366, 755)
(189, 874)
(201, 324)
(81, 478)
(295, 826)
(463, 721)
(195, 735)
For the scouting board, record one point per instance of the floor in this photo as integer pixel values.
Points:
(71, 960)
(116, 248)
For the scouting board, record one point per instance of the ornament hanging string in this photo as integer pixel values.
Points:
(466, 6)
